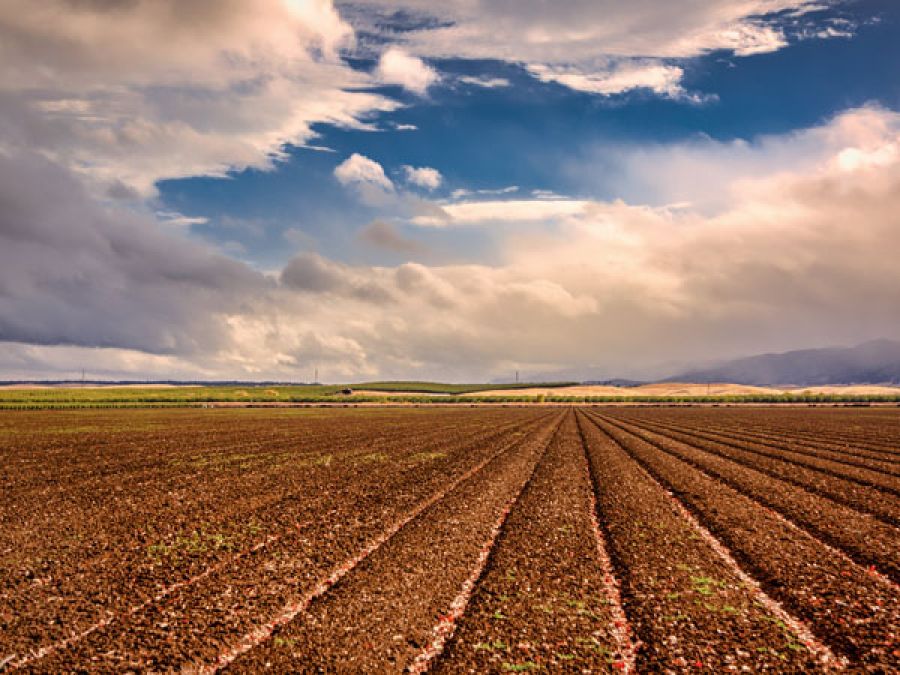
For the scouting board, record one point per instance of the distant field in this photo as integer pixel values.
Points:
(679, 389)
(21, 396)
(18, 395)
(450, 540)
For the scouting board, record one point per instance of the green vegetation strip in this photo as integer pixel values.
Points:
(112, 397)
(248, 393)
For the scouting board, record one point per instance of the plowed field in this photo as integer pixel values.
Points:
(482, 539)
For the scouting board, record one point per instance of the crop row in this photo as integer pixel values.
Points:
(487, 541)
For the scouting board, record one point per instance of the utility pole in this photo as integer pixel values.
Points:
(517, 377)
(316, 379)
(82, 378)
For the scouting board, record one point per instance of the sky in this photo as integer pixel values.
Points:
(226, 189)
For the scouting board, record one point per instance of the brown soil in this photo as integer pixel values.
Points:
(811, 581)
(865, 539)
(688, 606)
(456, 539)
(542, 603)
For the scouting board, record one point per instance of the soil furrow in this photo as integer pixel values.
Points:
(782, 442)
(544, 602)
(688, 606)
(863, 475)
(381, 613)
(830, 423)
(859, 497)
(373, 486)
(864, 539)
(853, 612)
(464, 539)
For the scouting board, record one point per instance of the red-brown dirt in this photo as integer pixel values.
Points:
(454, 540)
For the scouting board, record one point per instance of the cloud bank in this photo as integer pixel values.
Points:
(127, 92)
(597, 46)
(95, 109)
(795, 257)
(410, 72)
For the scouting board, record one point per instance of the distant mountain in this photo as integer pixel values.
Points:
(616, 382)
(876, 362)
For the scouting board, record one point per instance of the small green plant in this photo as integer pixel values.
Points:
(373, 457)
(704, 585)
(495, 645)
(426, 456)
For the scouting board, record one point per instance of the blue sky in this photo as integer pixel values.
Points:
(395, 189)
(522, 134)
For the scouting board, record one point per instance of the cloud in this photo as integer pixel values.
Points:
(424, 177)
(796, 258)
(29, 362)
(599, 46)
(75, 273)
(503, 210)
(660, 79)
(395, 66)
(665, 173)
(463, 192)
(373, 187)
(126, 93)
(96, 108)
(179, 219)
(385, 235)
(485, 82)
(311, 273)
(360, 169)
(367, 177)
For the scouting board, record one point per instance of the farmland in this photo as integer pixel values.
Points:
(96, 395)
(469, 539)
(30, 396)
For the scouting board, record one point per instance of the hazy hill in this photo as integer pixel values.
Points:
(876, 362)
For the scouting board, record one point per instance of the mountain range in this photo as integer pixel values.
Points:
(875, 362)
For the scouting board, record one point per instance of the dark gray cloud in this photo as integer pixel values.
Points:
(73, 272)
(311, 273)
(385, 235)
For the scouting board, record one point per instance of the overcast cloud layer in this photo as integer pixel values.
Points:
(788, 240)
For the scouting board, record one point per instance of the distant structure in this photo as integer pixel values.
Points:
(347, 392)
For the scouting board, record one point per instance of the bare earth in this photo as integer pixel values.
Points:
(373, 392)
(687, 389)
(478, 539)
(75, 385)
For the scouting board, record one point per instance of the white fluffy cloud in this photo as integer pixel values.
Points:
(590, 44)
(486, 82)
(667, 174)
(359, 169)
(367, 179)
(127, 92)
(658, 78)
(410, 72)
(799, 257)
(423, 176)
(483, 212)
